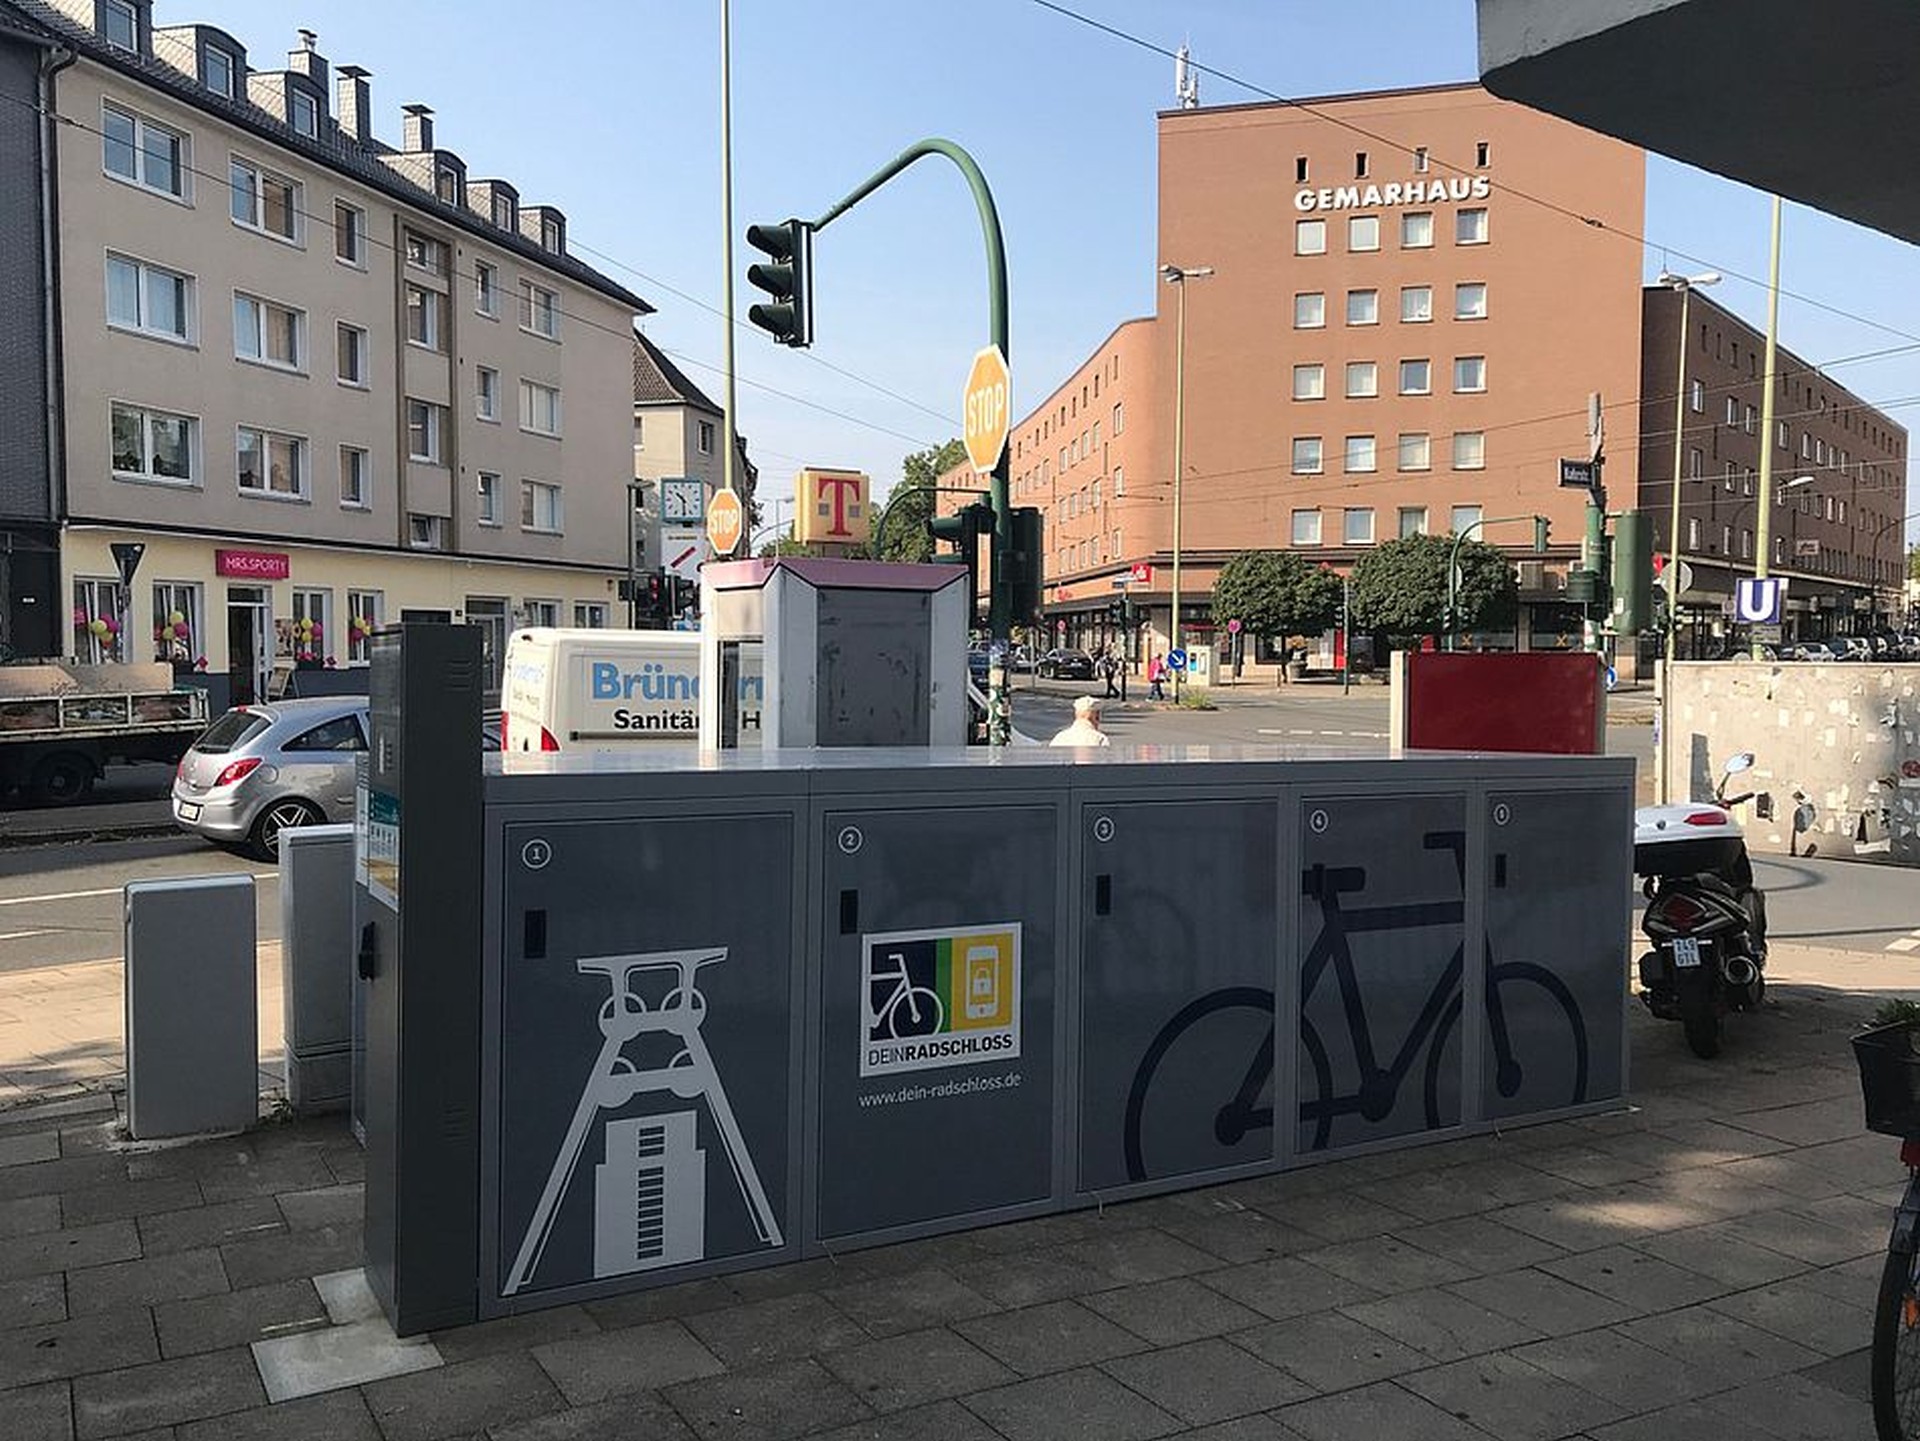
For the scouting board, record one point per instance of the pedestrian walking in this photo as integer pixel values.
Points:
(1109, 671)
(1156, 673)
(1085, 730)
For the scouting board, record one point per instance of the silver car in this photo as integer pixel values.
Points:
(263, 769)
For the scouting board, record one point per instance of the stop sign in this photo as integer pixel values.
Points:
(725, 518)
(989, 388)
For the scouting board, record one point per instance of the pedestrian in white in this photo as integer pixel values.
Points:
(1085, 730)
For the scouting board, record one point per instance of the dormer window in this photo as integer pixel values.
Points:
(302, 114)
(120, 23)
(503, 213)
(553, 234)
(446, 184)
(217, 70)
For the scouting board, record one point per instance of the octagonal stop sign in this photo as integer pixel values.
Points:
(725, 518)
(989, 387)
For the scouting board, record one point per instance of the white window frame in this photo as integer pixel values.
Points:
(1461, 310)
(435, 428)
(362, 351)
(308, 603)
(1363, 380)
(1470, 226)
(1319, 296)
(529, 312)
(1461, 517)
(1419, 527)
(532, 493)
(1358, 234)
(1118, 419)
(1360, 455)
(430, 317)
(1348, 528)
(99, 598)
(435, 536)
(1420, 443)
(486, 394)
(1310, 382)
(213, 55)
(486, 289)
(302, 455)
(147, 475)
(1425, 387)
(1309, 237)
(532, 422)
(364, 500)
(1476, 463)
(255, 190)
(589, 615)
(366, 612)
(433, 254)
(1416, 305)
(1313, 527)
(302, 106)
(704, 439)
(188, 597)
(142, 126)
(1363, 294)
(258, 332)
(127, 11)
(356, 233)
(1410, 226)
(1318, 464)
(1464, 385)
(488, 493)
(144, 275)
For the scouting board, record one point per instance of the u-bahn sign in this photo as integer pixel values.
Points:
(1757, 601)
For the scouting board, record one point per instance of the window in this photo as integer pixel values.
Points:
(553, 235)
(217, 70)
(99, 617)
(540, 507)
(1360, 458)
(1469, 374)
(505, 213)
(488, 500)
(1413, 521)
(426, 423)
(1733, 411)
(349, 234)
(120, 24)
(1731, 478)
(145, 153)
(543, 613)
(1697, 396)
(1464, 517)
(1746, 545)
(1309, 382)
(540, 411)
(1693, 535)
(1309, 311)
(272, 464)
(590, 615)
(1119, 417)
(1470, 450)
(177, 633)
(450, 185)
(706, 441)
(486, 289)
(264, 201)
(486, 395)
(148, 299)
(1363, 307)
(423, 317)
(1416, 230)
(1416, 304)
(153, 445)
(1480, 154)
(1119, 485)
(1307, 455)
(352, 360)
(1363, 232)
(1695, 460)
(1300, 169)
(365, 609)
(1416, 377)
(1416, 451)
(304, 636)
(1306, 527)
(269, 333)
(1309, 237)
(1747, 419)
(425, 253)
(1356, 527)
(1470, 301)
(302, 114)
(1360, 165)
(539, 310)
(1470, 227)
(426, 532)
(1363, 380)
(1421, 162)
(356, 478)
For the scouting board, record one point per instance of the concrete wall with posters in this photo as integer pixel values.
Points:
(1836, 752)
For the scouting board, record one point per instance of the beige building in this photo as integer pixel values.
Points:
(324, 381)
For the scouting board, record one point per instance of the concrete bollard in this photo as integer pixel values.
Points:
(192, 997)
(317, 940)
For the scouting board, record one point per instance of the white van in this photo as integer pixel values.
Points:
(608, 689)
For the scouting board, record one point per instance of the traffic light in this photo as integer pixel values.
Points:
(788, 279)
(1025, 563)
(963, 530)
(1541, 526)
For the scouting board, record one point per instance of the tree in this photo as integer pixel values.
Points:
(1913, 563)
(1276, 593)
(1400, 588)
(909, 510)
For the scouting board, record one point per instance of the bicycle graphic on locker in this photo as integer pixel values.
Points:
(1378, 1092)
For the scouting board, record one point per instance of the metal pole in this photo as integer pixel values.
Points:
(726, 237)
(633, 558)
(1346, 633)
(1679, 452)
(1179, 463)
(1763, 541)
(1453, 576)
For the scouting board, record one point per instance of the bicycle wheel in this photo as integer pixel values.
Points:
(1195, 1103)
(1896, 1350)
(1546, 1054)
(913, 1011)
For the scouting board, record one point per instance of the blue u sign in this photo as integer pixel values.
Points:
(1757, 601)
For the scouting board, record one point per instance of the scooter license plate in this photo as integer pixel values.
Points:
(1686, 951)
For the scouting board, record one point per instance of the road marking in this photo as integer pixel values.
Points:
(60, 896)
(1907, 943)
(21, 935)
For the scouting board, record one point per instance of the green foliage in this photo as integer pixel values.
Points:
(1896, 1009)
(909, 510)
(1400, 587)
(1194, 697)
(1276, 592)
(1913, 563)
(784, 545)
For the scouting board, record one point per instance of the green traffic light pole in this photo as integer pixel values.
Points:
(1453, 563)
(899, 492)
(1000, 580)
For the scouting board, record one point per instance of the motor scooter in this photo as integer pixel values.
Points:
(1706, 918)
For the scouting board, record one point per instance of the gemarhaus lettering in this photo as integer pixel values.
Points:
(1449, 190)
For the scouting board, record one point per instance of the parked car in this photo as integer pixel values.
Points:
(262, 769)
(1810, 650)
(1066, 664)
(1854, 647)
(1020, 660)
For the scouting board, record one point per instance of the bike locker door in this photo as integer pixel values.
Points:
(647, 995)
(936, 1069)
(1179, 957)
(1382, 935)
(1558, 915)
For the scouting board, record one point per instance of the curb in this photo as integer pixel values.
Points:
(126, 831)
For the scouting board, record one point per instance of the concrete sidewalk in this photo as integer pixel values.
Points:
(1701, 1265)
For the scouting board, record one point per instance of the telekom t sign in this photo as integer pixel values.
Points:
(831, 506)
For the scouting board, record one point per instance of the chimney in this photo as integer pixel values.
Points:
(355, 103)
(416, 130)
(308, 60)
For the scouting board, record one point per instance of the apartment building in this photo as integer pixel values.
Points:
(1839, 478)
(323, 381)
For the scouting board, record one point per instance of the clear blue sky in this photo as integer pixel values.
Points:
(610, 108)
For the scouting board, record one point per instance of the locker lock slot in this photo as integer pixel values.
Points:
(1103, 895)
(368, 959)
(535, 936)
(1500, 869)
(849, 913)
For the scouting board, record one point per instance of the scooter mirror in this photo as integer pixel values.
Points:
(1740, 762)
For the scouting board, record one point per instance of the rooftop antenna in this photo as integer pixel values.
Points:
(308, 39)
(1186, 80)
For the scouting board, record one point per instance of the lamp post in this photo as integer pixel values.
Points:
(1686, 285)
(1178, 276)
(1763, 549)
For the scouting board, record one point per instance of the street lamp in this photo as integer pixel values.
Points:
(1686, 285)
(1178, 276)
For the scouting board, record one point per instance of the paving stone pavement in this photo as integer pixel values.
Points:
(1700, 1265)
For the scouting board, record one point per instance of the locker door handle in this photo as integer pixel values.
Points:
(1103, 895)
(849, 913)
(368, 960)
(1500, 870)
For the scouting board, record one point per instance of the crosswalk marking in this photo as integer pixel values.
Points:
(1908, 943)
